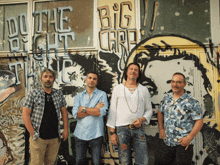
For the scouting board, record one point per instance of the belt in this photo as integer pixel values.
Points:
(130, 126)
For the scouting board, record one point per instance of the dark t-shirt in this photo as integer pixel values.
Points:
(49, 124)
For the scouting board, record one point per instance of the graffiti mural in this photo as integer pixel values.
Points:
(118, 33)
(162, 55)
(154, 53)
(73, 38)
(159, 59)
(12, 96)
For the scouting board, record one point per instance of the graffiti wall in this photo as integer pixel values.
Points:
(73, 37)
(12, 91)
(168, 42)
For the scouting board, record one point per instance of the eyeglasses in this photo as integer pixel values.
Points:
(177, 82)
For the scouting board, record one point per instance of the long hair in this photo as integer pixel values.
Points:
(126, 70)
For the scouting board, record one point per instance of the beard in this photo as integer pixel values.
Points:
(47, 85)
(132, 78)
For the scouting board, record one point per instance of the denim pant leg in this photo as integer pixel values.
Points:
(81, 148)
(96, 148)
(140, 147)
(124, 149)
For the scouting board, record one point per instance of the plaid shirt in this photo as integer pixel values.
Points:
(179, 117)
(35, 101)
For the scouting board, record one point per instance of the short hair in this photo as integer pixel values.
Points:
(178, 73)
(93, 72)
(126, 70)
(54, 73)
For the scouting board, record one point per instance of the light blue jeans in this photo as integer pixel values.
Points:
(82, 146)
(129, 138)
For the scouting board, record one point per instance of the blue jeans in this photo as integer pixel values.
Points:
(81, 149)
(129, 138)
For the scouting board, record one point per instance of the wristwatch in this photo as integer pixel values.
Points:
(84, 109)
(111, 133)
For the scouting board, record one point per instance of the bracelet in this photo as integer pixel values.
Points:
(161, 129)
(111, 133)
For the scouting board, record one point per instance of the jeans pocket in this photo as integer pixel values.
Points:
(141, 131)
(118, 129)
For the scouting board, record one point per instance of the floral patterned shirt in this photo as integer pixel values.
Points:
(179, 117)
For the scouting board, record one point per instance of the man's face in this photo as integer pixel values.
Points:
(91, 80)
(133, 72)
(178, 84)
(47, 80)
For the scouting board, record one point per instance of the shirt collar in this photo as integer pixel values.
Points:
(181, 97)
(184, 95)
(42, 90)
(95, 91)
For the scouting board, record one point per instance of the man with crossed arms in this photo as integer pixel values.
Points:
(89, 108)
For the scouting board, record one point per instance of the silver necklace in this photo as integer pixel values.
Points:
(131, 89)
(127, 101)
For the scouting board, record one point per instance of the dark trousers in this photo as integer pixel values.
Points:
(81, 149)
(176, 155)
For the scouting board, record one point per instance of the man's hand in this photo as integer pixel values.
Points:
(185, 141)
(81, 114)
(80, 108)
(65, 135)
(137, 123)
(114, 139)
(100, 105)
(90, 111)
(32, 135)
(162, 134)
